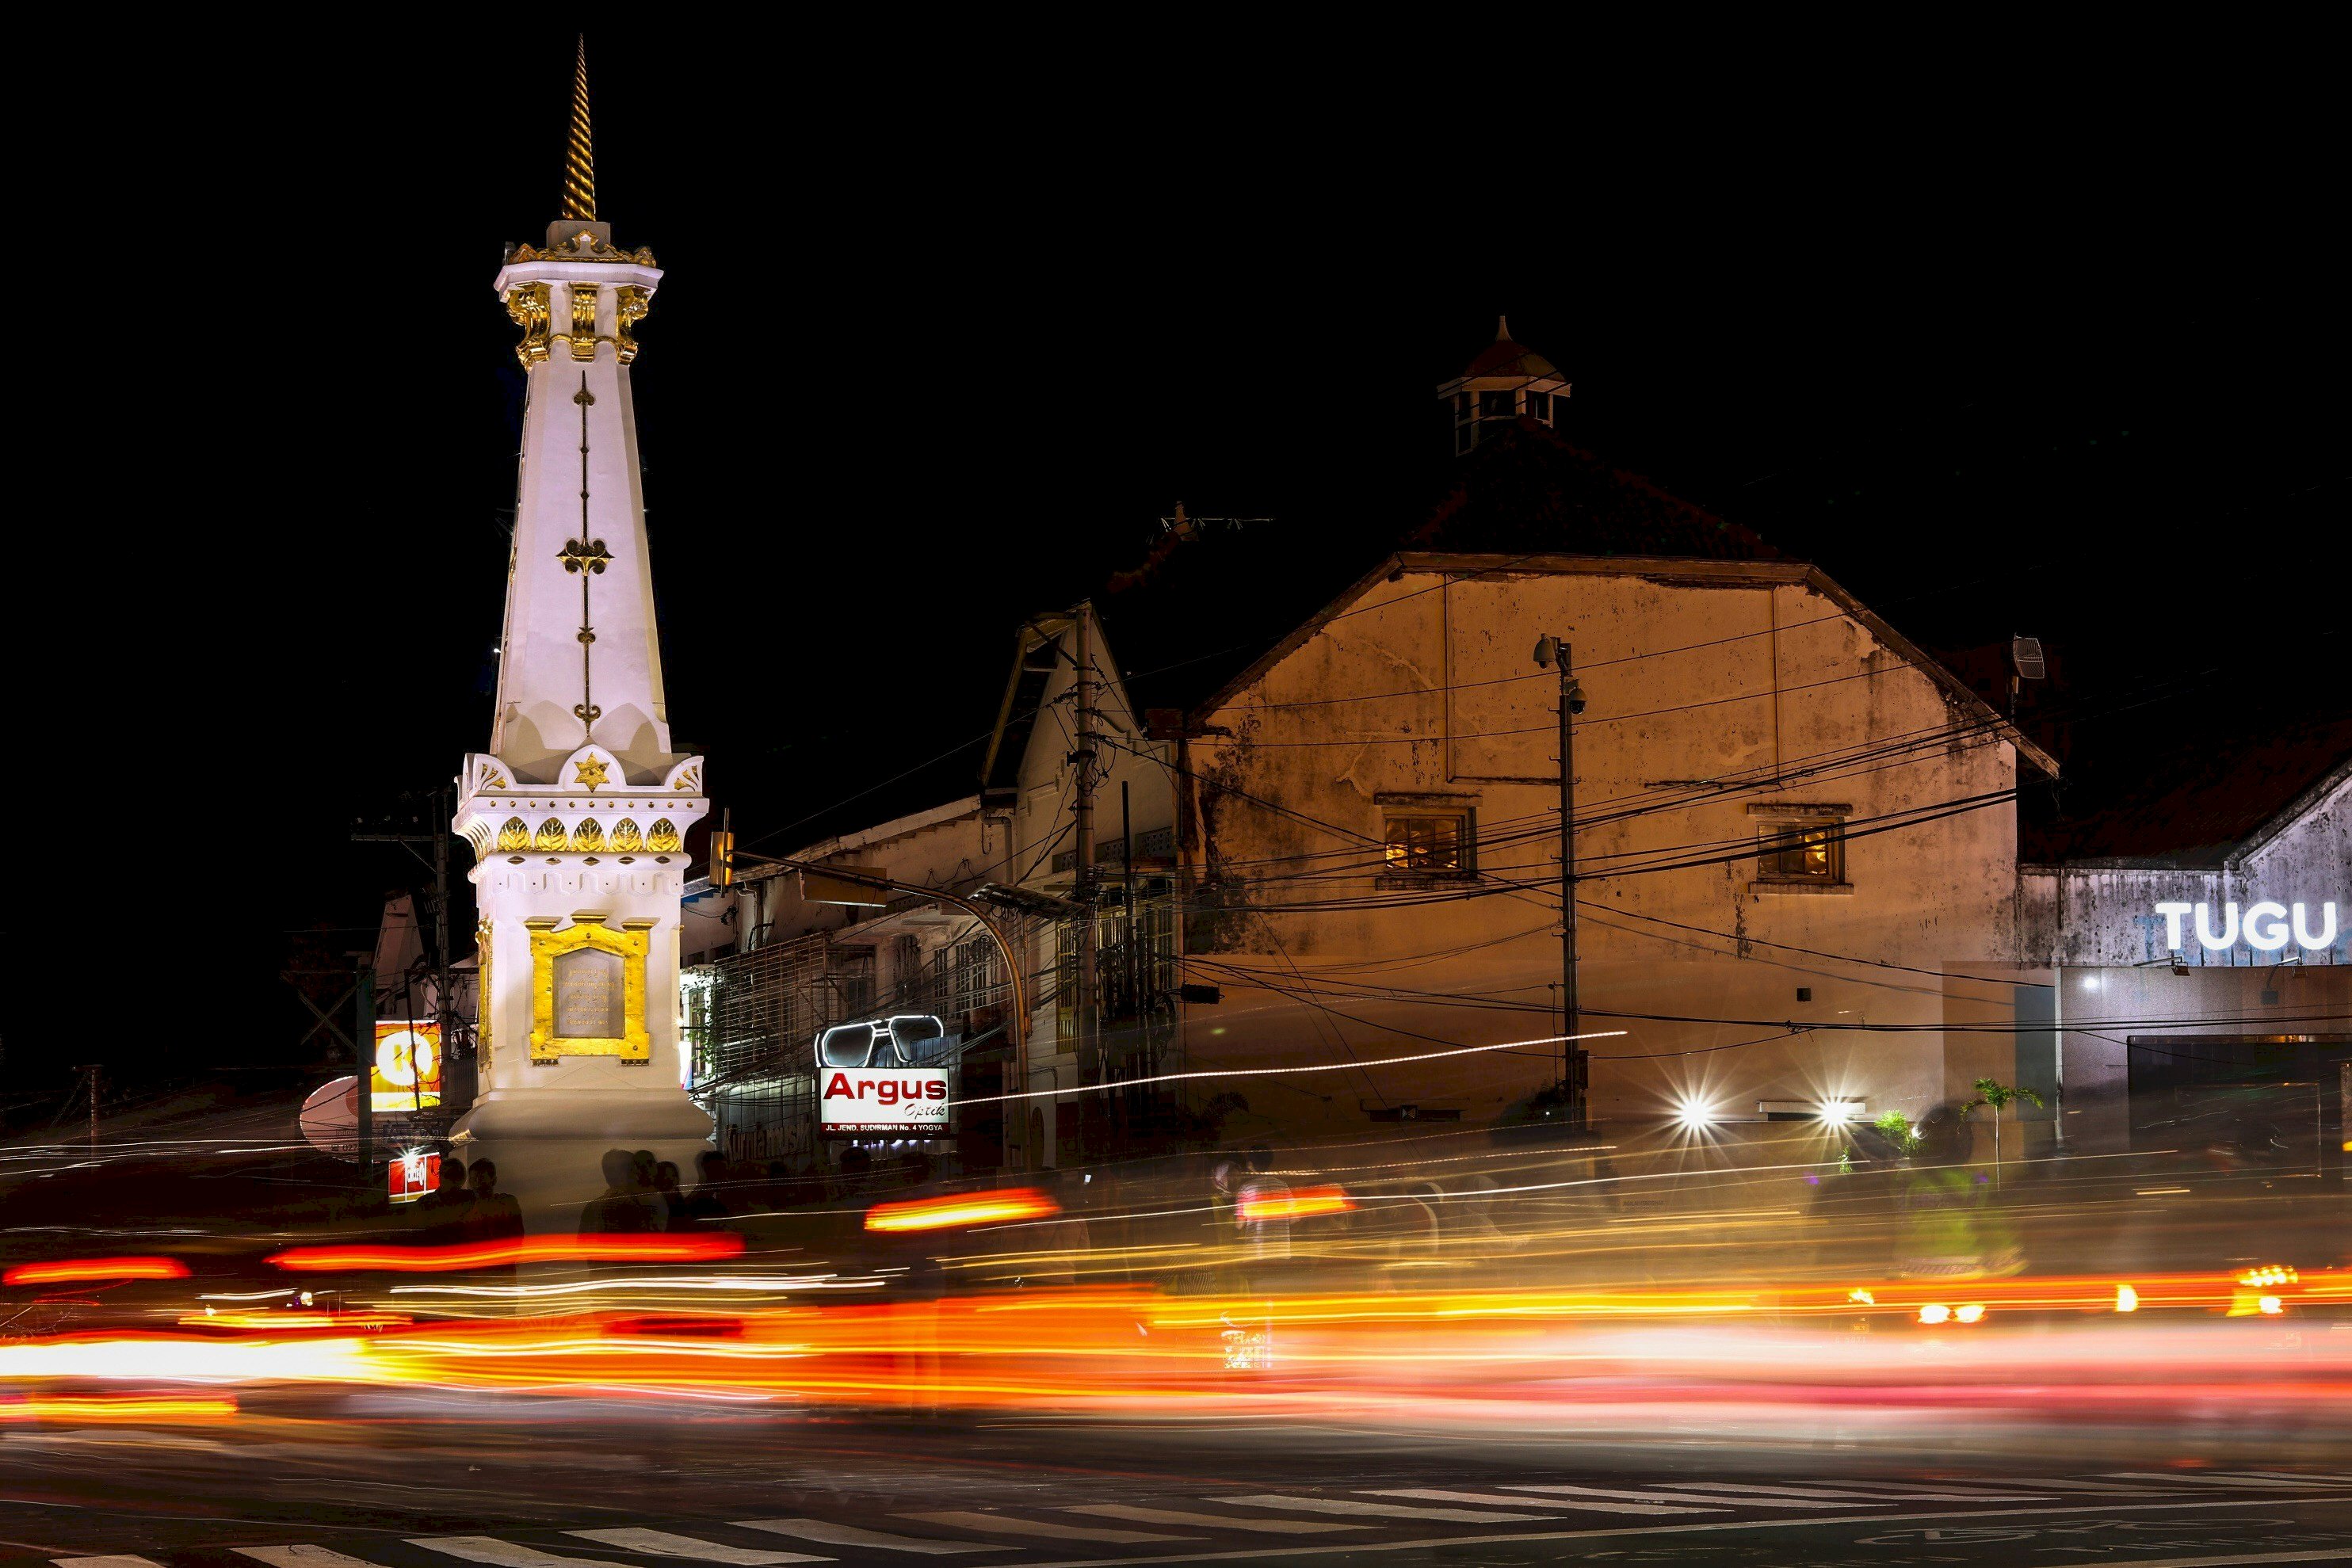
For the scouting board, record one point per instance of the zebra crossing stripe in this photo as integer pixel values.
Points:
(105, 1563)
(1432, 1494)
(2203, 1478)
(1382, 1509)
(1210, 1521)
(1742, 1490)
(1551, 1491)
(1004, 1524)
(301, 1557)
(502, 1554)
(1938, 1493)
(826, 1532)
(2310, 1478)
(662, 1543)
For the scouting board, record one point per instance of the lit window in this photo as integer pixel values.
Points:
(1801, 851)
(1427, 842)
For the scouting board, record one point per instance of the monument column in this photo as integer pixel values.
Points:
(577, 811)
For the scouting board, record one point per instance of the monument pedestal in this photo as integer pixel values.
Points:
(549, 1145)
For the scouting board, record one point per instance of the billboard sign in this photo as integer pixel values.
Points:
(406, 1074)
(411, 1176)
(887, 1075)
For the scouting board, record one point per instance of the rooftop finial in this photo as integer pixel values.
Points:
(579, 162)
(1502, 323)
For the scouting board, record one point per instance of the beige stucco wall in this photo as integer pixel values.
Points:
(1439, 697)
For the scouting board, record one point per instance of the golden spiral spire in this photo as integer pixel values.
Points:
(578, 162)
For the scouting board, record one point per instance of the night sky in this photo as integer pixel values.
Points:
(937, 344)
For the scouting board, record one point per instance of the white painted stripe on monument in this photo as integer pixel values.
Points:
(1435, 1494)
(502, 1554)
(1382, 1509)
(662, 1543)
(1210, 1521)
(828, 1533)
(1004, 1524)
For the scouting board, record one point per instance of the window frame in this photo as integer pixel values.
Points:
(1464, 820)
(1779, 840)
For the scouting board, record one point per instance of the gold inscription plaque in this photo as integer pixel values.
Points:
(588, 992)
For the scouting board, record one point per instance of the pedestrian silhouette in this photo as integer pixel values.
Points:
(643, 1181)
(493, 1215)
(673, 1202)
(623, 1210)
(707, 1204)
(441, 1211)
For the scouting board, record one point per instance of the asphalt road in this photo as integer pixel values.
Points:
(425, 1480)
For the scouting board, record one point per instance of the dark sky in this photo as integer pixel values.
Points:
(2055, 349)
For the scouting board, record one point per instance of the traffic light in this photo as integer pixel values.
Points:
(722, 852)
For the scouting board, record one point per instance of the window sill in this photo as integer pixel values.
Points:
(1760, 888)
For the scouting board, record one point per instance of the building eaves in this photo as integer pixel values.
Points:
(1661, 568)
(896, 828)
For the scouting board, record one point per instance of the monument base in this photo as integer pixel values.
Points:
(550, 1147)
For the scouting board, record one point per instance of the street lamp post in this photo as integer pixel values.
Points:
(1575, 1061)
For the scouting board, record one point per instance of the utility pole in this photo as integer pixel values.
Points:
(1574, 1062)
(90, 1086)
(1090, 1064)
(438, 835)
(364, 1064)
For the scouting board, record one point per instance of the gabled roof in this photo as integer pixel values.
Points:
(1682, 569)
(2196, 795)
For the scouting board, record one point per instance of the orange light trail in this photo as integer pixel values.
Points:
(292, 1321)
(995, 1207)
(701, 1248)
(69, 1270)
(1303, 1204)
(120, 1407)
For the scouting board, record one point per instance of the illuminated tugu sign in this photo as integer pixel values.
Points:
(2266, 928)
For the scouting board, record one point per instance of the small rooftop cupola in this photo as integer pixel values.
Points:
(1506, 382)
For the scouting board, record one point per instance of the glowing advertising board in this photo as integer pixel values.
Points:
(885, 1076)
(2265, 927)
(411, 1176)
(406, 1074)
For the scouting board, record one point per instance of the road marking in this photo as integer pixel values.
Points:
(1210, 1521)
(1944, 1491)
(1301, 1550)
(2205, 1478)
(1382, 1509)
(2312, 1478)
(1650, 1496)
(503, 1553)
(1004, 1524)
(105, 1563)
(832, 1534)
(1432, 1494)
(1828, 1494)
(662, 1543)
(301, 1557)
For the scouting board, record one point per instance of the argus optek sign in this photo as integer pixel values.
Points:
(882, 1100)
(2265, 927)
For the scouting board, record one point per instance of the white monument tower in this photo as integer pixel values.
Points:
(579, 809)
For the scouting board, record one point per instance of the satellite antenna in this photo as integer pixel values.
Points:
(2026, 663)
